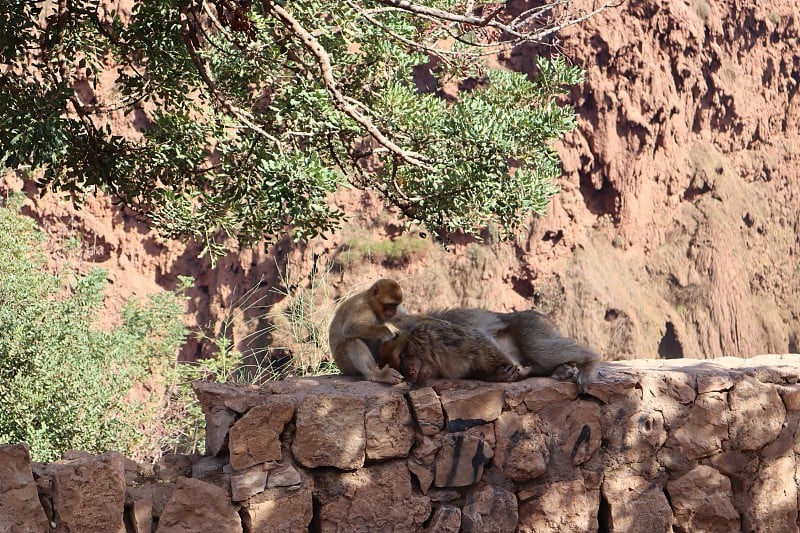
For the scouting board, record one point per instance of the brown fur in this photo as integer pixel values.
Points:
(429, 348)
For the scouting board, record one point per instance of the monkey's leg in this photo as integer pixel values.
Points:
(357, 359)
(494, 365)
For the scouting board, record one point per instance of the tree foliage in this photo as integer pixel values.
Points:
(64, 382)
(256, 111)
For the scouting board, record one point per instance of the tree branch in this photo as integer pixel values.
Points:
(244, 117)
(492, 21)
(339, 99)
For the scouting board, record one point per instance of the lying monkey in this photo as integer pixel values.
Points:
(482, 344)
(429, 348)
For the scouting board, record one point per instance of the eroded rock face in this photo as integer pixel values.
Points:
(662, 446)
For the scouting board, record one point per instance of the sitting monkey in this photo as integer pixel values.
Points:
(359, 323)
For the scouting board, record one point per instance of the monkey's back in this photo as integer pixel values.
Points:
(456, 351)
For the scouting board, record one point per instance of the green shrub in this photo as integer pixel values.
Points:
(65, 383)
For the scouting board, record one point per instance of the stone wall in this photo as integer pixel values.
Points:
(683, 445)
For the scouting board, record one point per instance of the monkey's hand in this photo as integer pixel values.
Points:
(387, 374)
(390, 332)
(525, 371)
(509, 372)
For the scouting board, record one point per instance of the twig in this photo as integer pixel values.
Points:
(246, 118)
(339, 99)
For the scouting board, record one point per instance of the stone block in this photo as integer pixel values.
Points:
(555, 506)
(702, 500)
(89, 494)
(283, 476)
(446, 519)
(772, 500)
(702, 434)
(279, 510)
(521, 452)
(580, 433)
(422, 473)
(427, 410)
(790, 394)
(490, 509)
(635, 504)
(544, 391)
(389, 428)
(466, 408)
(20, 509)
(461, 460)
(218, 423)
(247, 483)
(255, 438)
(199, 506)
(375, 498)
(757, 414)
(331, 432)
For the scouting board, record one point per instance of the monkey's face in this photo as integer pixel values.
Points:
(389, 310)
(416, 370)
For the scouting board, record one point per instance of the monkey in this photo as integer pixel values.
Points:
(429, 348)
(359, 324)
(530, 345)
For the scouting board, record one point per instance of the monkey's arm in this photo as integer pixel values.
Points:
(353, 356)
(389, 352)
(382, 332)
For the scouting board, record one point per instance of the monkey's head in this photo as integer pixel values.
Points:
(385, 296)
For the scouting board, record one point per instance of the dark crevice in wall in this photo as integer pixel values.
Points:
(670, 347)
(603, 515)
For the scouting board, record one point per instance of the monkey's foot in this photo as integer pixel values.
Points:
(565, 372)
(388, 375)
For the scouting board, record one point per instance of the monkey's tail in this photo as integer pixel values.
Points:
(586, 374)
